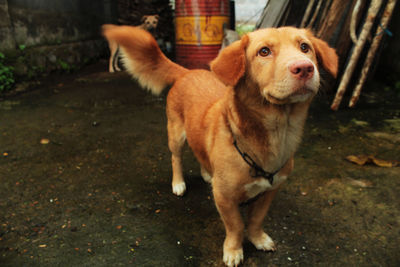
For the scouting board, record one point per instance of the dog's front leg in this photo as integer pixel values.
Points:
(229, 211)
(257, 211)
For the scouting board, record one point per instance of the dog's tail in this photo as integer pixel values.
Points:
(143, 58)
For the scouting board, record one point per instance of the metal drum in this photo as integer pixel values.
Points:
(199, 31)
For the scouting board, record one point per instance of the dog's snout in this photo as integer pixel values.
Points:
(302, 69)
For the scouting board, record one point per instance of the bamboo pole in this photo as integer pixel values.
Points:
(307, 13)
(372, 12)
(353, 23)
(371, 53)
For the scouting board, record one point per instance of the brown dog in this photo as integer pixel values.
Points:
(243, 120)
(149, 23)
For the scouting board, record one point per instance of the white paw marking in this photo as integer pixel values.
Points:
(206, 176)
(179, 189)
(233, 258)
(263, 243)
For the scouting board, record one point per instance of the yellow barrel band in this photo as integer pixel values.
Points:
(200, 30)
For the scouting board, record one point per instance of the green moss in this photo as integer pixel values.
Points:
(7, 80)
(243, 29)
(65, 66)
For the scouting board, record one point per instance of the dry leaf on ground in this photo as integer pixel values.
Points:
(365, 159)
(44, 141)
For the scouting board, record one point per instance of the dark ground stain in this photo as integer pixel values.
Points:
(99, 193)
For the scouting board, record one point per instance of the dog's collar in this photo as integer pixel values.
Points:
(255, 169)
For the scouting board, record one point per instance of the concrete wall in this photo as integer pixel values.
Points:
(6, 34)
(54, 31)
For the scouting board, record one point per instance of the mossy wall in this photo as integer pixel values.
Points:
(43, 35)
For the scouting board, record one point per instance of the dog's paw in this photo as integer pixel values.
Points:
(233, 258)
(179, 189)
(263, 242)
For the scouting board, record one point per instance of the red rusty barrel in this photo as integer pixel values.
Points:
(199, 31)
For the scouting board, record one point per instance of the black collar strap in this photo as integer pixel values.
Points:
(255, 169)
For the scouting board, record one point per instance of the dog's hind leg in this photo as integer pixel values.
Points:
(176, 139)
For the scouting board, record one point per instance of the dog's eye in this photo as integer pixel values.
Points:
(264, 52)
(304, 47)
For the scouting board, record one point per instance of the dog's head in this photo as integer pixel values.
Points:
(282, 62)
(150, 22)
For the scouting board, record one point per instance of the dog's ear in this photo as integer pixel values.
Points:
(143, 18)
(230, 64)
(326, 55)
(157, 16)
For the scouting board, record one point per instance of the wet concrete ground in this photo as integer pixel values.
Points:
(85, 181)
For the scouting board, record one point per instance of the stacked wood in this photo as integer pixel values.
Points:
(372, 51)
(371, 14)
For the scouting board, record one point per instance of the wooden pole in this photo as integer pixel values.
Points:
(307, 13)
(325, 10)
(331, 21)
(310, 24)
(372, 12)
(380, 31)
